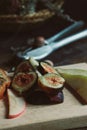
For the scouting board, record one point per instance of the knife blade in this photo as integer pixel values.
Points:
(42, 52)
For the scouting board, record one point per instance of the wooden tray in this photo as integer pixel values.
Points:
(69, 114)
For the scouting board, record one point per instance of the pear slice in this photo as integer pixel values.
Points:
(77, 80)
(16, 105)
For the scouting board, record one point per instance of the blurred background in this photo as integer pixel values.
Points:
(76, 9)
(16, 35)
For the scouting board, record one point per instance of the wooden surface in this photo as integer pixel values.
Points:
(69, 114)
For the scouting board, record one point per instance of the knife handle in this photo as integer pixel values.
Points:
(67, 31)
(68, 40)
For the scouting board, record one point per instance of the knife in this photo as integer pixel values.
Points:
(42, 52)
(67, 31)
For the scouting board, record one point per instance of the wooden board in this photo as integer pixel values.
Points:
(69, 114)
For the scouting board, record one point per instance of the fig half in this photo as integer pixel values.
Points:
(34, 63)
(47, 68)
(51, 83)
(23, 81)
(24, 67)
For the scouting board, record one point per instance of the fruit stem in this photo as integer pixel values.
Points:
(38, 73)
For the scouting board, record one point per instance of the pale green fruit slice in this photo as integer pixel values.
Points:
(77, 79)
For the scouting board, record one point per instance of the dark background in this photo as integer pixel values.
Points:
(76, 9)
(73, 53)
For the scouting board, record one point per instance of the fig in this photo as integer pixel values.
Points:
(39, 97)
(23, 81)
(49, 62)
(45, 68)
(51, 83)
(24, 67)
(58, 98)
(33, 62)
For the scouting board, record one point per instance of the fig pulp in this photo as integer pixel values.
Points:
(47, 68)
(23, 81)
(24, 67)
(51, 83)
(49, 62)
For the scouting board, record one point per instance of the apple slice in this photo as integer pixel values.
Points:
(16, 105)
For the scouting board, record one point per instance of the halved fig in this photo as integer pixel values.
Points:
(33, 62)
(24, 67)
(51, 83)
(49, 62)
(47, 68)
(23, 81)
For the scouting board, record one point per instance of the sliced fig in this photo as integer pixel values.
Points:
(51, 83)
(49, 62)
(23, 81)
(58, 98)
(24, 67)
(33, 62)
(47, 68)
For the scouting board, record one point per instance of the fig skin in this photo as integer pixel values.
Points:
(49, 62)
(24, 66)
(46, 68)
(46, 86)
(58, 98)
(34, 63)
(39, 97)
(22, 82)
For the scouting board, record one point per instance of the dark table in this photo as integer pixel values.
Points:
(73, 53)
